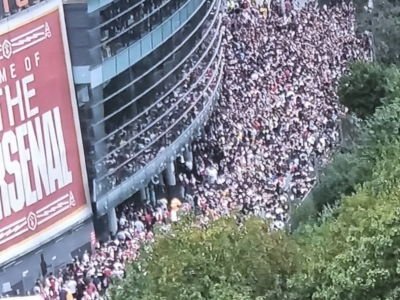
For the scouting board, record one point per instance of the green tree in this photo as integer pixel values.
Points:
(223, 260)
(353, 253)
(340, 177)
(368, 86)
(383, 22)
(303, 212)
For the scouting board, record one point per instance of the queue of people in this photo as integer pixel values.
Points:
(277, 115)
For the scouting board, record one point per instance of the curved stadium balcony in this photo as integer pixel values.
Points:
(123, 24)
(174, 108)
(134, 32)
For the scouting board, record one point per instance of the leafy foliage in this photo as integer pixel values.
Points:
(357, 247)
(341, 177)
(349, 170)
(383, 22)
(205, 264)
(201, 264)
(303, 212)
(368, 86)
(355, 255)
(353, 250)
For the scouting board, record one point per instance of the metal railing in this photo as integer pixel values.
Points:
(140, 49)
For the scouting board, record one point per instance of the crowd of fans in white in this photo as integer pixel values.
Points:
(278, 112)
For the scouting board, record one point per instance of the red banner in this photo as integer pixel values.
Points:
(41, 181)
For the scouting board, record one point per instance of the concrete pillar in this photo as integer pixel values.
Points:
(143, 194)
(153, 199)
(170, 174)
(97, 115)
(188, 155)
(112, 220)
(133, 107)
(181, 192)
(148, 196)
(161, 180)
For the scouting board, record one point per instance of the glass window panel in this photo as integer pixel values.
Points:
(184, 13)
(146, 44)
(167, 29)
(176, 22)
(135, 53)
(126, 58)
(109, 69)
(157, 37)
(93, 5)
(191, 6)
(122, 61)
(104, 2)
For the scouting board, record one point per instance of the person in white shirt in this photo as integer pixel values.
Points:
(86, 257)
(212, 174)
(71, 284)
(122, 221)
(139, 226)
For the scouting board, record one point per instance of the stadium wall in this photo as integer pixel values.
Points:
(43, 181)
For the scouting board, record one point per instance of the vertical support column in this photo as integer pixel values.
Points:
(153, 199)
(188, 155)
(98, 130)
(148, 196)
(134, 110)
(133, 106)
(170, 174)
(181, 192)
(143, 194)
(112, 220)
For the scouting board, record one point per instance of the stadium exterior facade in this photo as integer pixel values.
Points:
(105, 128)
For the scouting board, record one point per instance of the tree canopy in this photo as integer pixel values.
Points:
(368, 86)
(223, 262)
(352, 253)
(381, 19)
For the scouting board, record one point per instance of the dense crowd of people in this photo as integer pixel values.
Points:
(87, 277)
(277, 115)
(279, 111)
